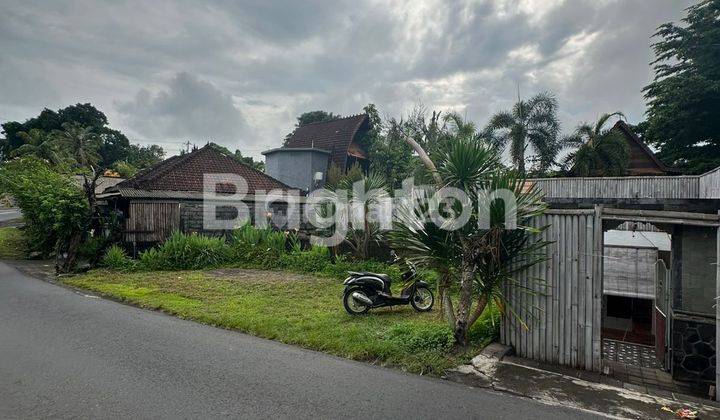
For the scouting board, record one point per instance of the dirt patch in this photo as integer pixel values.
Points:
(259, 276)
(41, 269)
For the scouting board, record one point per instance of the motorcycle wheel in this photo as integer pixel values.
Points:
(422, 300)
(352, 306)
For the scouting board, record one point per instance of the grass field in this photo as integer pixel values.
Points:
(296, 309)
(12, 244)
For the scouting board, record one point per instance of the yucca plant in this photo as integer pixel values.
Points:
(482, 254)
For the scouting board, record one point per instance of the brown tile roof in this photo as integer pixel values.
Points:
(335, 136)
(185, 173)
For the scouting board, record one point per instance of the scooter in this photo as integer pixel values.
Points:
(364, 291)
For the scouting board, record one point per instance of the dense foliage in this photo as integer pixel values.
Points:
(477, 258)
(246, 247)
(43, 136)
(684, 98)
(598, 151)
(53, 207)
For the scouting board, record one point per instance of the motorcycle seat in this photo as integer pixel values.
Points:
(384, 277)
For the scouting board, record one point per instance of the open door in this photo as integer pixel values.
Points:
(661, 310)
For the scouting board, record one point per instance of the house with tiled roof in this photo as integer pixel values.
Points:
(311, 149)
(175, 195)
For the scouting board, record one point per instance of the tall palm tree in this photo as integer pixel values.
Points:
(478, 258)
(37, 143)
(531, 124)
(81, 143)
(598, 151)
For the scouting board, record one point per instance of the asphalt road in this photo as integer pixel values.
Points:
(64, 354)
(9, 214)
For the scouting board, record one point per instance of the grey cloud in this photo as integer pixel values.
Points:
(189, 108)
(252, 66)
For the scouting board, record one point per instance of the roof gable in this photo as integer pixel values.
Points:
(643, 160)
(186, 173)
(335, 136)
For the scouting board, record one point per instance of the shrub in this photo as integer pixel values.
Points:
(186, 252)
(53, 207)
(91, 249)
(152, 260)
(416, 338)
(115, 258)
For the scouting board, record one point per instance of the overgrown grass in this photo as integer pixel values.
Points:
(13, 245)
(296, 309)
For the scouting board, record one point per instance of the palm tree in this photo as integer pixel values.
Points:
(479, 258)
(530, 124)
(82, 144)
(37, 143)
(598, 151)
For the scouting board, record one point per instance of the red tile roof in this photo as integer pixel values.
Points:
(335, 136)
(186, 173)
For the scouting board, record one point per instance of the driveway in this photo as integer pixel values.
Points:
(65, 354)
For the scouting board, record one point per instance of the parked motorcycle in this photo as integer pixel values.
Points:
(364, 291)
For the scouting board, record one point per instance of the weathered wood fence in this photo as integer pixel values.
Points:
(563, 316)
(670, 187)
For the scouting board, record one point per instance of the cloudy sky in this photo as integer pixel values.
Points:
(238, 73)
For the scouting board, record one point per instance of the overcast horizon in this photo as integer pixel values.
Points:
(167, 72)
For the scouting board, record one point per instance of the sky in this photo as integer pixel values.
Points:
(238, 73)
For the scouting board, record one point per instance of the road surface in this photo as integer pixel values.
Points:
(65, 354)
(9, 214)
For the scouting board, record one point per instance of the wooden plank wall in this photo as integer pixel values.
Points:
(152, 221)
(710, 184)
(621, 187)
(563, 320)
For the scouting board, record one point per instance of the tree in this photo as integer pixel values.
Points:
(478, 259)
(142, 157)
(81, 143)
(53, 207)
(37, 143)
(531, 124)
(315, 116)
(683, 100)
(114, 145)
(598, 151)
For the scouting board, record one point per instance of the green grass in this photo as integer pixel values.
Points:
(296, 309)
(12, 244)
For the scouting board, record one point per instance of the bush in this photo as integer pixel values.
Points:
(53, 207)
(115, 258)
(418, 338)
(186, 252)
(91, 249)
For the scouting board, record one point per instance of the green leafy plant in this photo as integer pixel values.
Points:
(54, 208)
(115, 258)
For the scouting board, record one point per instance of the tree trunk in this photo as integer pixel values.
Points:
(479, 309)
(463, 311)
(72, 251)
(447, 306)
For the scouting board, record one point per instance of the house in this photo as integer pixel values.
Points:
(625, 302)
(313, 148)
(643, 161)
(170, 196)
